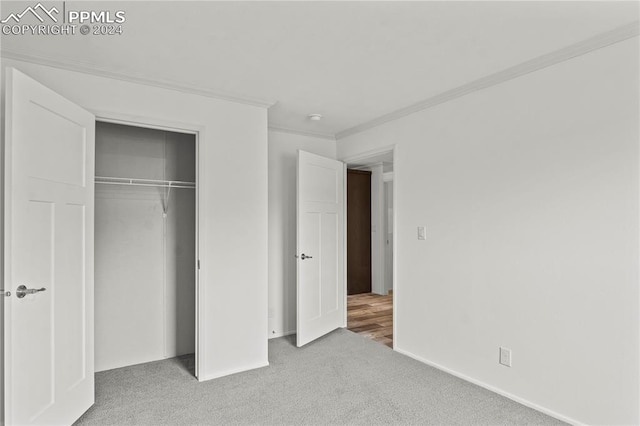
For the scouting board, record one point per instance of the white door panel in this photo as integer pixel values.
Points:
(320, 237)
(49, 197)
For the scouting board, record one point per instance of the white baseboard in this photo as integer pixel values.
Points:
(281, 334)
(494, 389)
(218, 374)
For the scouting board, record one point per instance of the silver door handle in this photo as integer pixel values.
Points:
(304, 256)
(22, 291)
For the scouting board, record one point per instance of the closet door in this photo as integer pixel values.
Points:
(48, 293)
(358, 231)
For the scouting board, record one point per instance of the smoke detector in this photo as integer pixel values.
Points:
(315, 117)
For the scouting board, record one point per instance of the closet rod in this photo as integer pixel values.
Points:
(158, 183)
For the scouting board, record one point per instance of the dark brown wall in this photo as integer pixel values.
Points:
(358, 231)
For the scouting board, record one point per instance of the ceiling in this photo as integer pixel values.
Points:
(352, 62)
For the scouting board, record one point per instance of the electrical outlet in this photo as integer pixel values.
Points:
(505, 356)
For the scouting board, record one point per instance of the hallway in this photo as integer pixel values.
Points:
(371, 315)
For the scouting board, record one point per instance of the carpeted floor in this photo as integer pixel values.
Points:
(342, 378)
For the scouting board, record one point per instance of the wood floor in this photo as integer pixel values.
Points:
(371, 315)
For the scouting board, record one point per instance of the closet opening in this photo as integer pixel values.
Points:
(145, 246)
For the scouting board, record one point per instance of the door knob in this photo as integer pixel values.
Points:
(22, 291)
(304, 256)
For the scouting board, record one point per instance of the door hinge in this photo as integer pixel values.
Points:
(198, 263)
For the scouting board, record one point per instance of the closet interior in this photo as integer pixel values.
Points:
(145, 245)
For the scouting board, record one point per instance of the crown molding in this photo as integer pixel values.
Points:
(297, 132)
(86, 68)
(594, 43)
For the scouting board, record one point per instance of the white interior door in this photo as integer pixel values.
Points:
(320, 247)
(49, 197)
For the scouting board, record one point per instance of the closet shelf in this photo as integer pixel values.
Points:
(158, 183)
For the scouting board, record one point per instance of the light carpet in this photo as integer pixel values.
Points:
(342, 378)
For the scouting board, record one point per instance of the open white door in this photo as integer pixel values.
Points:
(49, 196)
(320, 247)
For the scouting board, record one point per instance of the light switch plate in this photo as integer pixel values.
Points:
(422, 232)
(505, 356)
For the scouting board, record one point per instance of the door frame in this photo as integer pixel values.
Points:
(198, 132)
(363, 156)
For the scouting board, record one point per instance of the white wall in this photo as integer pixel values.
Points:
(233, 193)
(529, 192)
(388, 236)
(283, 154)
(144, 258)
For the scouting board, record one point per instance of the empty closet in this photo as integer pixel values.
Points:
(145, 245)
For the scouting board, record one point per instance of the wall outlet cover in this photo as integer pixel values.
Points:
(505, 356)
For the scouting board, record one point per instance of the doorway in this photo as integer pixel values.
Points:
(145, 246)
(370, 307)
